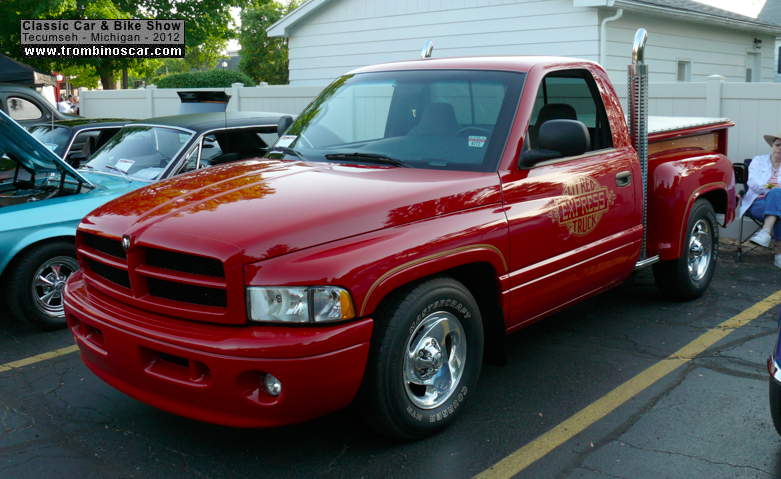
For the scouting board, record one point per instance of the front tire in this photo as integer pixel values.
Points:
(35, 283)
(425, 359)
(690, 275)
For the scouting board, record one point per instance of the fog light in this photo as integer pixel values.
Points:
(272, 384)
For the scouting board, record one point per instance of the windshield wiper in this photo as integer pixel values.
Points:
(112, 167)
(286, 150)
(365, 157)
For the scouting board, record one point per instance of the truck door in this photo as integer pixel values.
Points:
(574, 222)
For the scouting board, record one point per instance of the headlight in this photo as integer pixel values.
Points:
(306, 304)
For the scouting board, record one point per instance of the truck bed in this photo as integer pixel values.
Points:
(664, 127)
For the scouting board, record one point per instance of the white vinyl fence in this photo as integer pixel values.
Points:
(754, 107)
(152, 102)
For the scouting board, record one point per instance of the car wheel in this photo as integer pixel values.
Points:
(426, 354)
(690, 275)
(36, 282)
(775, 404)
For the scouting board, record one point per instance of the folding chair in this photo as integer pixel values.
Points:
(741, 178)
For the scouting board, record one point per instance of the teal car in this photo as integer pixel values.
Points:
(43, 198)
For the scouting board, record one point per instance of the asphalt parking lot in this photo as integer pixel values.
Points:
(708, 417)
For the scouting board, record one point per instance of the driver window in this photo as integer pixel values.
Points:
(210, 148)
(190, 161)
(570, 95)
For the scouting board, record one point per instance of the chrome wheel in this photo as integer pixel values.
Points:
(48, 283)
(700, 251)
(434, 360)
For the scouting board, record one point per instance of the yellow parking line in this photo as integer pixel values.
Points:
(38, 358)
(575, 424)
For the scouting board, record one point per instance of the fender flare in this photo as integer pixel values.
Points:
(429, 265)
(36, 237)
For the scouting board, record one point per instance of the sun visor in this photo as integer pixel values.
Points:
(202, 101)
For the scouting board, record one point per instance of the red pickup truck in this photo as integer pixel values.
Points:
(410, 217)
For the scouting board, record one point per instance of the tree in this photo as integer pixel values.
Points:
(264, 58)
(207, 31)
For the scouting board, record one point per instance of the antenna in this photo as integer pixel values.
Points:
(428, 47)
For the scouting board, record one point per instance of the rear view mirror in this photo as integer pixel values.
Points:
(284, 123)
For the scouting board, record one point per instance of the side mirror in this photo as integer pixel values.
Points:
(558, 139)
(283, 124)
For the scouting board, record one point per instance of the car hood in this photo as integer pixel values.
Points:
(261, 208)
(18, 145)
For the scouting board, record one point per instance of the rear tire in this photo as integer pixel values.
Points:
(35, 282)
(690, 275)
(426, 354)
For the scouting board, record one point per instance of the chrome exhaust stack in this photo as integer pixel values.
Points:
(637, 85)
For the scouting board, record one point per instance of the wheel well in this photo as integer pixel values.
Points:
(717, 198)
(23, 251)
(481, 280)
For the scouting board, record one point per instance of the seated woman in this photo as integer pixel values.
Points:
(763, 198)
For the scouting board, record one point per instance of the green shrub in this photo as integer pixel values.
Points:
(210, 79)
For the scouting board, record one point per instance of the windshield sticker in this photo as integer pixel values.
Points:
(582, 205)
(123, 164)
(477, 141)
(286, 140)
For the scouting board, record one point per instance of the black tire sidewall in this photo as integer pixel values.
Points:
(405, 419)
(672, 276)
(18, 293)
(774, 396)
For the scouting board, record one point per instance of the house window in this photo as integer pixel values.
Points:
(778, 68)
(752, 67)
(684, 70)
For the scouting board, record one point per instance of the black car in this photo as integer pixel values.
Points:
(75, 140)
(27, 106)
(157, 148)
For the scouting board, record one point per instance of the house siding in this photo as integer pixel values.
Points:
(347, 34)
(710, 49)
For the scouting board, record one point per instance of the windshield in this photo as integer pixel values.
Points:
(443, 119)
(140, 152)
(54, 137)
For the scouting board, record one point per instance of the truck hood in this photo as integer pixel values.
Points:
(20, 146)
(262, 208)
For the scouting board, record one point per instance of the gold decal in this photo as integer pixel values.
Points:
(581, 206)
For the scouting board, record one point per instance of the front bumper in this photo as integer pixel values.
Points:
(215, 373)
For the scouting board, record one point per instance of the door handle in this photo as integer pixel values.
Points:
(624, 178)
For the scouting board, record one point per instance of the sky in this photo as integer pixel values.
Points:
(749, 8)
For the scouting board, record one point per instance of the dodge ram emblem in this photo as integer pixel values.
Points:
(125, 242)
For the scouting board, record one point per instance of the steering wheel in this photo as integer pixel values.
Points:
(473, 129)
